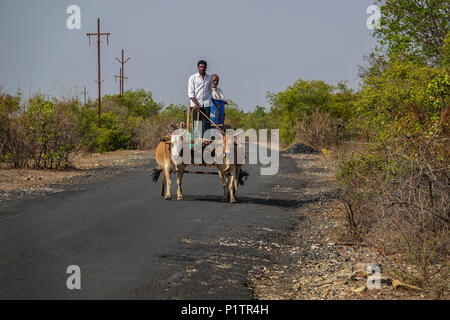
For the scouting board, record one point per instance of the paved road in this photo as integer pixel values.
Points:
(132, 244)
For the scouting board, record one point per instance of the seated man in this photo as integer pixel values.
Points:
(217, 94)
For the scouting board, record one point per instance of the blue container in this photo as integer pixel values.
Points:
(218, 117)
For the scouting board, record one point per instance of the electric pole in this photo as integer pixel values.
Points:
(121, 79)
(99, 81)
(85, 92)
(122, 71)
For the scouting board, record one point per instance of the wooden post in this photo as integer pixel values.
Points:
(188, 117)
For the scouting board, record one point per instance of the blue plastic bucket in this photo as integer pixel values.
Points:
(218, 117)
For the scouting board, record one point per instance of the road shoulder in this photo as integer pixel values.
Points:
(87, 168)
(312, 263)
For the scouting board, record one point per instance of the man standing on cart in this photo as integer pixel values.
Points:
(200, 94)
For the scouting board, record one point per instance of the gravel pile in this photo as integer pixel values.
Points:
(300, 148)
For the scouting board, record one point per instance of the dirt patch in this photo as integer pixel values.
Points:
(312, 264)
(18, 183)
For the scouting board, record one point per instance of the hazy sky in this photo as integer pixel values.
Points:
(254, 45)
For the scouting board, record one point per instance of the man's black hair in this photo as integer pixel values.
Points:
(202, 62)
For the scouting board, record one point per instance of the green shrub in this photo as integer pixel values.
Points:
(42, 135)
(11, 146)
(51, 130)
(138, 103)
(294, 108)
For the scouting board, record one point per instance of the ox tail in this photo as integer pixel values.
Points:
(155, 174)
(243, 175)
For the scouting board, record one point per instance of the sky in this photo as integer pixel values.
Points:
(255, 46)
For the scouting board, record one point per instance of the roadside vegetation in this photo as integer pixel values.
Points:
(42, 132)
(390, 141)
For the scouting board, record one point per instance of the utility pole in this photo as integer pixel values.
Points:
(99, 81)
(85, 92)
(122, 71)
(121, 79)
(19, 89)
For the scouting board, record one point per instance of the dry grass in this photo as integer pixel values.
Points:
(319, 130)
(400, 206)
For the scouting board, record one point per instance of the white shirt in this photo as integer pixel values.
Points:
(200, 89)
(217, 94)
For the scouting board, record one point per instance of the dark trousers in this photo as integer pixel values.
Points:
(206, 124)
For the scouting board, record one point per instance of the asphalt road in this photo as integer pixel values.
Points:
(130, 243)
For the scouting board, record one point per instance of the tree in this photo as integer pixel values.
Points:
(234, 116)
(414, 28)
(445, 52)
(138, 103)
(175, 111)
(298, 102)
(405, 100)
